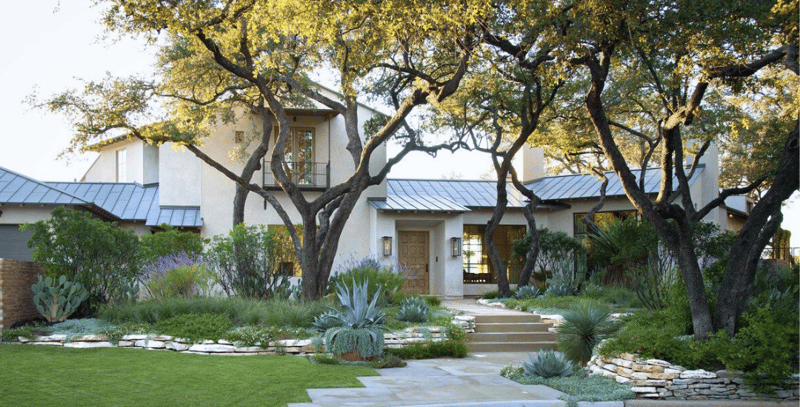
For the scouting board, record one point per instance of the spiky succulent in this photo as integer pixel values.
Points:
(561, 290)
(413, 309)
(547, 363)
(528, 291)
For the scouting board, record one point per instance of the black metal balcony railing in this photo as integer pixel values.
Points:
(306, 175)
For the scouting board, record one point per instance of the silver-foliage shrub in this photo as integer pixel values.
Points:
(547, 364)
(413, 309)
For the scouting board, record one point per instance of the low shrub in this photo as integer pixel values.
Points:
(195, 327)
(561, 290)
(115, 333)
(582, 387)
(431, 350)
(553, 305)
(181, 281)
(262, 336)
(618, 296)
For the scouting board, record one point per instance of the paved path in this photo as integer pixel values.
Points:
(474, 381)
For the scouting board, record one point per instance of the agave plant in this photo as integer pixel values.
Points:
(547, 363)
(358, 326)
(413, 309)
(561, 290)
(527, 292)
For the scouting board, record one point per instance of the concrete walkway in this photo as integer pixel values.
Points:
(474, 381)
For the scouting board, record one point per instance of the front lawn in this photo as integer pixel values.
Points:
(39, 375)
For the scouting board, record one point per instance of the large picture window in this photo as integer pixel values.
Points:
(477, 269)
(282, 253)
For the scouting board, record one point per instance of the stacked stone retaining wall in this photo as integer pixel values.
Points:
(16, 298)
(659, 379)
(398, 339)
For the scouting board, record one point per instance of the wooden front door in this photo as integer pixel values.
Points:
(413, 250)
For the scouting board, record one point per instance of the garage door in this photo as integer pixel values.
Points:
(14, 244)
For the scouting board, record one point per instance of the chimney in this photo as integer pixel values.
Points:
(532, 164)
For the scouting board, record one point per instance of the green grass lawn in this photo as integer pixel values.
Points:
(57, 376)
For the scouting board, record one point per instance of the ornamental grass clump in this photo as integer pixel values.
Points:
(583, 328)
(548, 364)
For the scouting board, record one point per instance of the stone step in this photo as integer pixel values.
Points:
(510, 346)
(511, 337)
(507, 318)
(514, 327)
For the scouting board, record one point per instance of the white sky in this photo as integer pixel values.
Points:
(50, 43)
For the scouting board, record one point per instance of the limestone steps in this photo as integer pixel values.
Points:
(510, 333)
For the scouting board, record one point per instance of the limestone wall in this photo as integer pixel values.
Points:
(659, 379)
(222, 347)
(16, 298)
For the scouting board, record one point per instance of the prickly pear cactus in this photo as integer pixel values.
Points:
(57, 299)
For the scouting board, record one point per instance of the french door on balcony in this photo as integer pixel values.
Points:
(299, 156)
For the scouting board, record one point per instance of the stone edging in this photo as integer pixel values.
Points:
(659, 379)
(398, 339)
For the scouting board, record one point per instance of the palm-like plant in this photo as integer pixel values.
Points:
(583, 328)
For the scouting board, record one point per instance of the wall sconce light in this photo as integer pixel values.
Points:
(455, 244)
(387, 245)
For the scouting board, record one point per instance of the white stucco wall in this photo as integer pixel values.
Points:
(179, 182)
(104, 168)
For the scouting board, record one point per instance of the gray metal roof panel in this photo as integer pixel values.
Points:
(19, 189)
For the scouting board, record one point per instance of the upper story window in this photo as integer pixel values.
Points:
(299, 155)
(238, 137)
(122, 166)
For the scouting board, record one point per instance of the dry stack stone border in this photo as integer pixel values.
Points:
(398, 339)
(659, 379)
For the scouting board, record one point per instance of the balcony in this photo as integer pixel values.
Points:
(309, 176)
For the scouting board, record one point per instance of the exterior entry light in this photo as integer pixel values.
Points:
(387, 245)
(455, 243)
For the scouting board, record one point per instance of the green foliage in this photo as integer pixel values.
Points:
(79, 327)
(262, 336)
(57, 299)
(547, 363)
(553, 305)
(115, 333)
(169, 241)
(195, 327)
(554, 247)
(247, 263)
(181, 281)
(380, 278)
(100, 256)
(583, 328)
(616, 296)
(431, 350)
(490, 295)
(243, 311)
(413, 309)
(26, 331)
(579, 387)
(432, 300)
(527, 292)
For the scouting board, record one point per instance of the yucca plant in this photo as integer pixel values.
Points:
(527, 292)
(413, 309)
(583, 328)
(547, 364)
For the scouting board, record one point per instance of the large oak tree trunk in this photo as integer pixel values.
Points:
(764, 219)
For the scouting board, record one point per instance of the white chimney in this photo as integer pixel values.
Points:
(532, 164)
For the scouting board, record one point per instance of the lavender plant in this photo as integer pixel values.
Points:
(177, 275)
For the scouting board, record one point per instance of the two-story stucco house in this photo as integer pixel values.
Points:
(434, 227)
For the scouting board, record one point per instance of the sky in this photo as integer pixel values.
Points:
(51, 45)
